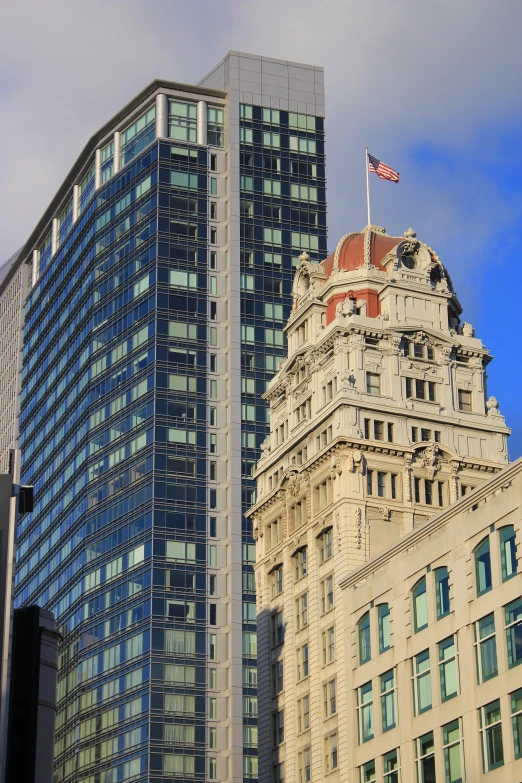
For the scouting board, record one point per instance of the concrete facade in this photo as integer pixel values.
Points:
(477, 677)
(379, 418)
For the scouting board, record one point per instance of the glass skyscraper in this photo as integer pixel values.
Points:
(155, 290)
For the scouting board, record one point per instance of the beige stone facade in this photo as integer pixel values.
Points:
(379, 419)
(441, 689)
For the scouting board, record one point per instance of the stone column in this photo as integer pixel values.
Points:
(202, 122)
(162, 116)
(117, 152)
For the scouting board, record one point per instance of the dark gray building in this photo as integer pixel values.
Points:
(155, 288)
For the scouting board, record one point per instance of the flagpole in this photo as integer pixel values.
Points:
(367, 185)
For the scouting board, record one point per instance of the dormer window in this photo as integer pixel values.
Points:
(408, 262)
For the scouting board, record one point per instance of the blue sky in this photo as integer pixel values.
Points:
(434, 90)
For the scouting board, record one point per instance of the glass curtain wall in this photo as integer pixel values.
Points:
(283, 212)
(113, 432)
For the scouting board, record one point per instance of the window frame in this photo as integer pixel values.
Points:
(488, 573)
(443, 663)
(366, 629)
(385, 695)
(511, 542)
(416, 593)
(363, 708)
(485, 732)
(418, 675)
(510, 625)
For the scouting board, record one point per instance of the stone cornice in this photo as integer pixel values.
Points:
(364, 446)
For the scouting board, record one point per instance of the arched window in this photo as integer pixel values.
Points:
(383, 614)
(483, 567)
(508, 552)
(420, 605)
(442, 592)
(365, 652)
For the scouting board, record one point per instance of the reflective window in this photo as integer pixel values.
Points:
(365, 712)
(138, 135)
(516, 720)
(215, 127)
(448, 668)
(442, 592)
(486, 648)
(368, 772)
(364, 639)
(453, 752)
(508, 552)
(384, 620)
(420, 605)
(483, 567)
(425, 758)
(491, 736)
(513, 627)
(391, 767)
(388, 700)
(421, 682)
(183, 121)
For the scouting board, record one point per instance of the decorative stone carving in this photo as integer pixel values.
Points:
(408, 458)
(446, 351)
(346, 308)
(468, 330)
(347, 380)
(410, 246)
(257, 529)
(431, 459)
(454, 481)
(265, 447)
(338, 530)
(493, 407)
(361, 304)
(358, 527)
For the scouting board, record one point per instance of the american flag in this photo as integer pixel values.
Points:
(382, 170)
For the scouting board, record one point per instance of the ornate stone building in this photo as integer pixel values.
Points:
(379, 417)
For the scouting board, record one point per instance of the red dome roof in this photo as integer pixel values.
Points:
(350, 251)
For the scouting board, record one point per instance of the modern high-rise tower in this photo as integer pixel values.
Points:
(154, 291)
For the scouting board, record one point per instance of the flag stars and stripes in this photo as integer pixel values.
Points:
(382, 170)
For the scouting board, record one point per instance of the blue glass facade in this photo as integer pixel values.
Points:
(113, 431)
(125, 393)
(283, 212)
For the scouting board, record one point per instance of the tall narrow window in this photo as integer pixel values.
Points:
(508, 552)
(513, 626)
(464, 400)
(491, 736)
(422, 682)
(448, 668)
(384, 619)
(391, 767)
(420, 605)
(368, 772)
(365, 710)
(486, 648)
(453, 752)
(442, 591)
(364, 639)
(483, 567)
(425, 758)
(388, 700)
(373, 383)
(516, 719)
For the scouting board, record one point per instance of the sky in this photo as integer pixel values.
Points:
(433, 89)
